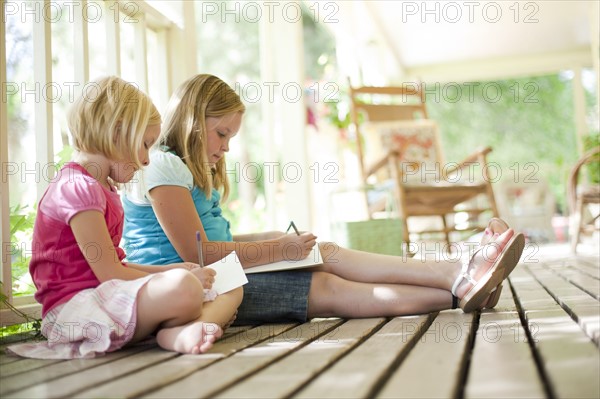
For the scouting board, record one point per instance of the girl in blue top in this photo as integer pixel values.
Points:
(180, 193)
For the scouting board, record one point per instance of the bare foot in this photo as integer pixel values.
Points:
(193, 338)
(230, 322)
(483, 261)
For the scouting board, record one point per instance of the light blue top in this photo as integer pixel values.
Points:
(144, 240)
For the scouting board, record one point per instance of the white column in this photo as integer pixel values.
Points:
(579, 108)
(266, 47)
(282, 65)
(190, 52)
(5, 266)
(595, 44)
(164, 84)
(140, 52)
(80, 40)
(42, 75)
(112, 16)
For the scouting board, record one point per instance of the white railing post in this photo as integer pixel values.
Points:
(5, 266)
(42, 77)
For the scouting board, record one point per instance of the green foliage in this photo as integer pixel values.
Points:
(22, 328)
(63, 156)
(22, 219)
(29, 325)
(341, 120)
(528, 122)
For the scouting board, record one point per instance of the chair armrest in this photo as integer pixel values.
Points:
(381, 162)
(480, 154)
(574, 177)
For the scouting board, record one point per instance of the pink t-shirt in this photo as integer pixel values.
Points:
(58, 267)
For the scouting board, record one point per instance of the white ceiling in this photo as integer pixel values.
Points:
(445, 40)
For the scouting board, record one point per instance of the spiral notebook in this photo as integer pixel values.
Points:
(313, 259)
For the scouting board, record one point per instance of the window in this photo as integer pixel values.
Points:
(73, 41)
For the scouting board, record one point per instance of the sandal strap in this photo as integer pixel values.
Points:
(463, 275)
(454, 302)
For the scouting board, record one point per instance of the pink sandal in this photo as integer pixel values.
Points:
(495, 226)
(482, 288)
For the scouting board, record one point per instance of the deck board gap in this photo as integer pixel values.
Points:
(385, 376)
(357, 344)
(573, 281)
(465, 365)
(564, 306)
(537, 357)
(183, 376)
(275, 359)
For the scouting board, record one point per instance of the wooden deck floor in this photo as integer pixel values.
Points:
(541, 341)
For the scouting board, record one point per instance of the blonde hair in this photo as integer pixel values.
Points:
(184, 128)
(110, 118)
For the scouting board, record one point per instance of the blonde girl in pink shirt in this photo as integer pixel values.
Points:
(92, 301)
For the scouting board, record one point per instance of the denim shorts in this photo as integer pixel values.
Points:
(277, 297)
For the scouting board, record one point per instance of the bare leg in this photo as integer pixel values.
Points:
(409, 289)
(223, 308)
(331, 295)
(367, 267)
(173, 301)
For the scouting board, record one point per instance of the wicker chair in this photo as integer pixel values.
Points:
(579, 197)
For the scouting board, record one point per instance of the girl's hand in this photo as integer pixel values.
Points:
(206, 275)
(189, 266)
(296, 247)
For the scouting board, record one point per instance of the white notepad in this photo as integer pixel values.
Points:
(313, 259)
(230, 274)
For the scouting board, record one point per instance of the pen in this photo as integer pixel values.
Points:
(199, 245)
(292, 225)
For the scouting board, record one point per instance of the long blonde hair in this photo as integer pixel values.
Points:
(184, 128)
(110, 118)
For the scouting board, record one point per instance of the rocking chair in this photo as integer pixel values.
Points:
(410, 161)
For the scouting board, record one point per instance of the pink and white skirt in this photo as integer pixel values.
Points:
(92, 323)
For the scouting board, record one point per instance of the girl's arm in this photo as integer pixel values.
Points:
(93, 238)
(268, 235)
(177, 215)
(91, 233)
(158, 269)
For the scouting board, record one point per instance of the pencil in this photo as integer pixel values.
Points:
(199, 245)
(292, 225)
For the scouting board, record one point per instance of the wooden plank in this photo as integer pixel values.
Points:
(13, 339)
(570, 360)
(23, 366)
(584, 309)
(442, 351)
(362, 368)
(64, 378)
(246, 362)
(6, 359)
(163, 374)
(578, 278)
(530, 294)
(502, 364)
(283, 378)
(588, 266)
